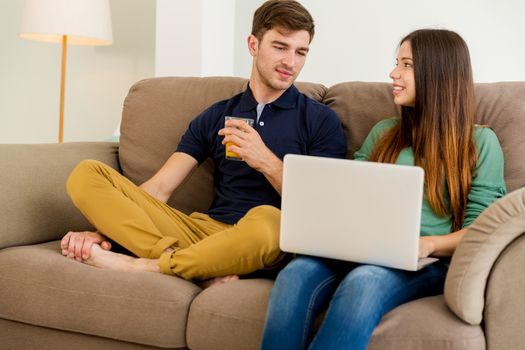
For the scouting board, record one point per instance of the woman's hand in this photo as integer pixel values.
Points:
(426, 247)
(440, 245)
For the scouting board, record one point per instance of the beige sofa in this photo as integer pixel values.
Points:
(50, 302)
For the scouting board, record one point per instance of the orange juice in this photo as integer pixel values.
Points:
(229, 154)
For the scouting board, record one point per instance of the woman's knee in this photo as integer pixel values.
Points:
(362, 293)
(366, 278)
(304, 270)
(298, 273)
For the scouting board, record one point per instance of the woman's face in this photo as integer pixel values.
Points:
(404, 85)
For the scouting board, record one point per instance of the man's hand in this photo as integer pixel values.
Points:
(77, 245)
(251, 148)
(153, 190)
(247, 144)
(426, 247)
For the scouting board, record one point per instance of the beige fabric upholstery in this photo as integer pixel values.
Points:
(232, 315)
(502, 107)
(41, 287)
(425, 324)
(360, 106)
(15, 335)
(504, 315)
(34, 204)
(490, 234)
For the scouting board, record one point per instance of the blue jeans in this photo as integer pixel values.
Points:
(357, 297)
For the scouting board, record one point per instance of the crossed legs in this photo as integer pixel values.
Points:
(194, 247)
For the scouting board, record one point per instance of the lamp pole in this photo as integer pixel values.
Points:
(62, 89)
(79, 22)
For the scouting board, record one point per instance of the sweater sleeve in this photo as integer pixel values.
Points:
(488, 183)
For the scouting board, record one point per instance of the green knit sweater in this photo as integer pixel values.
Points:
(488, 183)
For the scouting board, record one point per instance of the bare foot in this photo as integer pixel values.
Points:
(109, 260)
(218, 280)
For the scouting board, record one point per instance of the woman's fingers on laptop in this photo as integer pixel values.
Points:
(426, 247)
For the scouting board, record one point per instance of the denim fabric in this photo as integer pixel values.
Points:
(357, 297)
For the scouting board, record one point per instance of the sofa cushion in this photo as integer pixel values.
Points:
(232, 315)
(34, 204)
(360, 106)
(22, 336)
(41, 287)
(504, 314)
(501, 106)
(425, 324)
(157, 112)
(487, 238)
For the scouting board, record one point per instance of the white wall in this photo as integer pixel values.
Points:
(356, 40)
(195, 38)
(178, 38)
(98, 78)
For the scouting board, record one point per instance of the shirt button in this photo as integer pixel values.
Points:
(261, 123)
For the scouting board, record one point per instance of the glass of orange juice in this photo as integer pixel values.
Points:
(229, 154)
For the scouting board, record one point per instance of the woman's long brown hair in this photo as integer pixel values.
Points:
(439, 127)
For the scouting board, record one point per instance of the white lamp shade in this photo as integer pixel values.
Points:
(85, 22)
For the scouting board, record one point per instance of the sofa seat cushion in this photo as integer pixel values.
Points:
(41, 287)
(232, 315)
(428, 324)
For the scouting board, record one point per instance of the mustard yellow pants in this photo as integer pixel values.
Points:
(202, 247)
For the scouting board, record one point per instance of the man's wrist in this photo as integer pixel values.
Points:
(272, 167)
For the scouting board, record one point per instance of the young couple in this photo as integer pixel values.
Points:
(432, 81)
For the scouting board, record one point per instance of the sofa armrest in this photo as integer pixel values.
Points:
(34, 205)
(478, 258)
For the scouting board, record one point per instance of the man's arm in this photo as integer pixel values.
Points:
(249, 145)
(169, 176)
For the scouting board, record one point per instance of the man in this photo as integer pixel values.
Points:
(240, 232)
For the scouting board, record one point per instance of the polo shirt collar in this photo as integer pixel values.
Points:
(287, 100)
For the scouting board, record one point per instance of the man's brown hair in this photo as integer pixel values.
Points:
(287, 14)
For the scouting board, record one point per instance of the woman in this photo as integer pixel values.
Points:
(463, 163)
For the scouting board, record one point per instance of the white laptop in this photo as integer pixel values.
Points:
(352, 210)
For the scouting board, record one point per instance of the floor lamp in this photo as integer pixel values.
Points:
(74, 22)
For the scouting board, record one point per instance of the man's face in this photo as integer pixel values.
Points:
(278, 57)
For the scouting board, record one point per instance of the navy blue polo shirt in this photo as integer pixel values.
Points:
(294, 123)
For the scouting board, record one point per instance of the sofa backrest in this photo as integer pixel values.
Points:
(502, 107)
(360, 106)
(157, 111)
